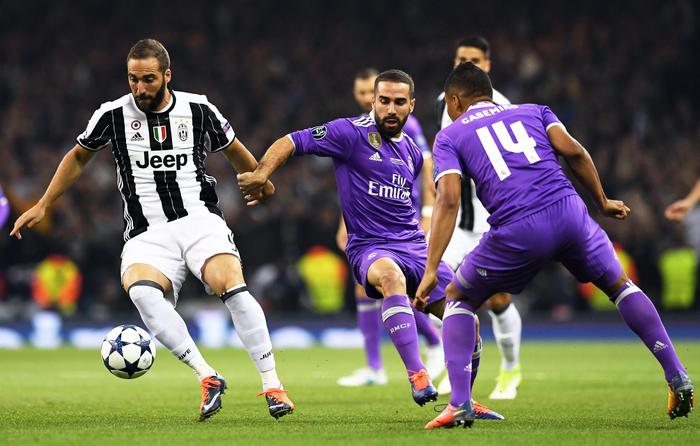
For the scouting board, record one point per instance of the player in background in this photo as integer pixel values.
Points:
(677, 210)
(369, 311)
(159, 139)
(472, 224)
(4, 208)
(375, 166)
(510, 151)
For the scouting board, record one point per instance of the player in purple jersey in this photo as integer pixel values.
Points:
(369, 311)
(471, 226)
(4, 208)
(375, 166)
(510, 151)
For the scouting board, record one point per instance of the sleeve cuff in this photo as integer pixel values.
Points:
(225, 145)
(289, 135)
(447, 172)
(553, 124)
(86, 147)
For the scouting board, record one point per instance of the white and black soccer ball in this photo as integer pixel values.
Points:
(128, 351)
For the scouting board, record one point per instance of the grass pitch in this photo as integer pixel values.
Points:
(572, 393)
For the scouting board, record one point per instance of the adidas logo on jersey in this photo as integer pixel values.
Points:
(137, 137)
(376, 157)
(659, 346)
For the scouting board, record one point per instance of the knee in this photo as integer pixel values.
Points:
(219, 282)
(451, 292)
(499, 301)
(612, 289)
(392, 281)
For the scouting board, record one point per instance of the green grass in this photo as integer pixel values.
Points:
(573, 393)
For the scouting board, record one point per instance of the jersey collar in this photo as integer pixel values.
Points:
(396, 138)
(167, 109)
(482, 104)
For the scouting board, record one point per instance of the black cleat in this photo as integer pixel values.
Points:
(212, 389)
(278, 402)
(681, 396)
(422, 388)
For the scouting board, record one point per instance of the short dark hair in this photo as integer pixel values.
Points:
(476, 42)
(469, 81)
(367, 73)
(395, 76)
(145, 48)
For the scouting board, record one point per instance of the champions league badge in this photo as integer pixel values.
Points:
(375, 140)
(319, 132)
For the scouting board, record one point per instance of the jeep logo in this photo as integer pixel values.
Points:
(167, 161)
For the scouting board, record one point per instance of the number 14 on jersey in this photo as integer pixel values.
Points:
(523, 143)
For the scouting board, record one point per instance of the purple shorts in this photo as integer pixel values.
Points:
(409, 256)
(509, 256)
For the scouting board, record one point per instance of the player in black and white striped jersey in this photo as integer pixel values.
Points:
(159, 139)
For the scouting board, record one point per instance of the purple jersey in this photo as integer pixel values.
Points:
(506, 151)
(4, 208)
(413, 129)
(374, 175)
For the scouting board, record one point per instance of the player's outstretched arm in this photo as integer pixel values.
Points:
(677, 210)
(243, 161)
(442, 226)
(72, 165)
(578, 158)
(278, 153)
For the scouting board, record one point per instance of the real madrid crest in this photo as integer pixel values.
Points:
(375, 140)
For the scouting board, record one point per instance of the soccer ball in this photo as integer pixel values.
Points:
(128, 351)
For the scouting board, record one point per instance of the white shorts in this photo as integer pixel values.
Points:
(174, 247)
(461, 244)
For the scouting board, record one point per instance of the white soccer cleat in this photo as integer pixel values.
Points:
(445, 388)
(435, 361)
(365, 376)
(507, 384)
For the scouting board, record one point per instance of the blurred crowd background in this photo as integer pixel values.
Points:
(620, 75)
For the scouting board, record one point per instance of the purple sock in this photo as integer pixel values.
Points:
(369, 320)
(426, 328)
(641, 316)
(476, 359)
(399, 322)
(459, 338)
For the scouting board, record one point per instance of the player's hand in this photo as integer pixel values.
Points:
(31, 217)
(678, 210)
(427, 284)
(615, 209)
(266, 192)
(251, 183)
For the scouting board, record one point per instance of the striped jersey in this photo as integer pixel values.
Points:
(160, 157)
